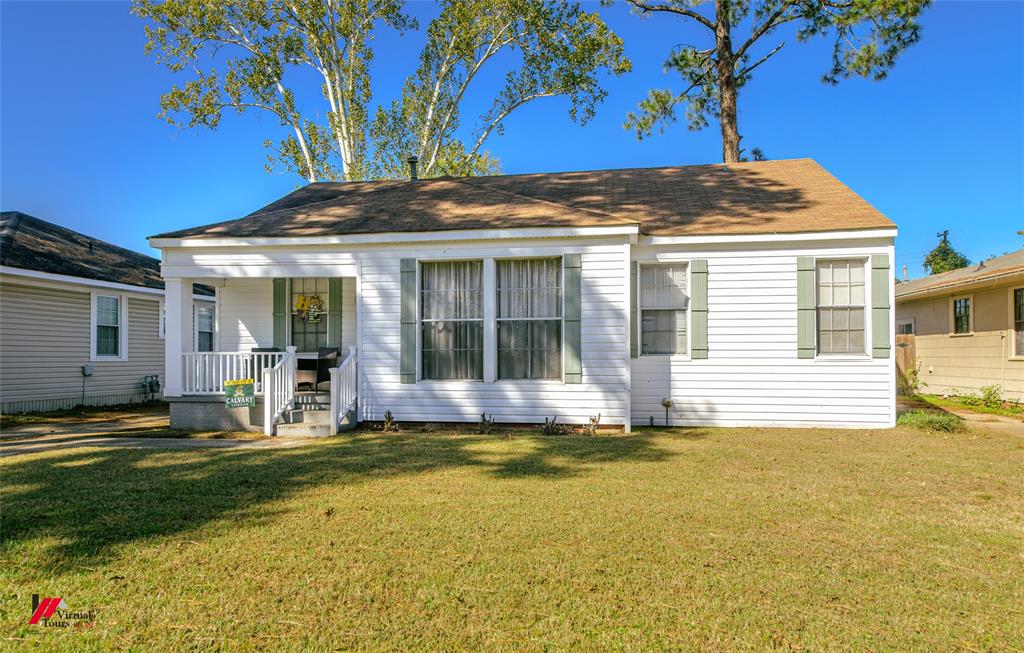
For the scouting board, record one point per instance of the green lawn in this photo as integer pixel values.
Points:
(712, 539)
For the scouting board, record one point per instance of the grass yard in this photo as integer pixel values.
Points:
(712, 539)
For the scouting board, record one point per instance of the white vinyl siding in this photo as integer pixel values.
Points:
(246, 317)
(752, 376)
(604, 353)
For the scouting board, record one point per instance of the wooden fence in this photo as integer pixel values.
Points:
(906, 360)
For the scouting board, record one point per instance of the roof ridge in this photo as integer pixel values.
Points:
(465, 181)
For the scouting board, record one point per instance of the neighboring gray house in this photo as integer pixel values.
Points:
(80, 319)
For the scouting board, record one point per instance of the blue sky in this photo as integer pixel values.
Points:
(939, 145)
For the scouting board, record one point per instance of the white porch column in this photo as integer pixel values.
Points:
(178, 334)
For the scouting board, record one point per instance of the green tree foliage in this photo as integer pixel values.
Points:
(944, 258)
(561, 51)
(868, 36)
(251, 54)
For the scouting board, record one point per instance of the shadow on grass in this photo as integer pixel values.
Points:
(90, 501)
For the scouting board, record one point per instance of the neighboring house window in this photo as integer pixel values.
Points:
(841, 306)
(162, 328)
(108, 316)
(962, 315)
(309, 327)
(451, 312)
(1018, 321)
(204, 328)
(529, 317)
(663, 304)
(905, 327)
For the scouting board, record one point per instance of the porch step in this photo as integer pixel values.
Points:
(304, 430)
(307, 416)
(313, 400)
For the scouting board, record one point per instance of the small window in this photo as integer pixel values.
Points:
(204, 328)
(452, 325)
(108, 326)
(529, 318)
(1018, 321)
(663, 305)
(841, 306)
(962, 315)
(905, 327)
(162, 327)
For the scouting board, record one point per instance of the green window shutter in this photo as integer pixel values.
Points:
(805, 306)
(634, 309)
(699, 308)
(334, 299)
(571, 277)
(280, 313)
(880, 281)
(408, 358)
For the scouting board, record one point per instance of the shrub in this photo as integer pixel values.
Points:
(552, 427)
(390, 426)
(931, 421)
(992, 396)
(591, 429)
(486, 424)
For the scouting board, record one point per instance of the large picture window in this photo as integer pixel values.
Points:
(529, 316)
(451, 313)
(663, 305)
(309, 326)
(841, 306)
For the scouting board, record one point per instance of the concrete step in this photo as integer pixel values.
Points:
(301, 430)
(306, 416)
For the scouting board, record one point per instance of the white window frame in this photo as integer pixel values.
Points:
(830, 356)
(122, 327)
(483, 317)
(493, 297)
(161, 329)
(1012, 328)
(196, 306)
(640, 309)
(970, 316)
(906, 320)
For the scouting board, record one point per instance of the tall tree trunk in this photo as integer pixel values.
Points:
(726, 84)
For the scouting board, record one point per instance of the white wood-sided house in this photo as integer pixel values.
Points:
(748, 294)
(80, 319)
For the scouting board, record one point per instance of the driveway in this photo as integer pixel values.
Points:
(139, 430)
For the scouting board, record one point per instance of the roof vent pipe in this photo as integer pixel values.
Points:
(904, 274)
(413, 160)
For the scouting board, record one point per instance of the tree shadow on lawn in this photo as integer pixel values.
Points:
(90, 501)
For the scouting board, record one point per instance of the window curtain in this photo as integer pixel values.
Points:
(663, 304)
(452, 320)
(529, 318)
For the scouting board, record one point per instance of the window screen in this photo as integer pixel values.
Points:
(108, 326)
(451, 310)
(663, 304)
(529, 318)
(841, 307)
(1018, 321)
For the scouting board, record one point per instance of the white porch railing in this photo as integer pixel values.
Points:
(278, 389)
(205, 372)
(344, 389)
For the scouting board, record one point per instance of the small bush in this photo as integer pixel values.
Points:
(591, 429)
(930, 421)
(389, 426)
(552, 427)
(992, 396)
(486, 424)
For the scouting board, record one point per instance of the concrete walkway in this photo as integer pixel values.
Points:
(984, 421)
(73, 432)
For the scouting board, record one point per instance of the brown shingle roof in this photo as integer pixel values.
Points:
(29, 243)
(744, 198)
(1008, 265)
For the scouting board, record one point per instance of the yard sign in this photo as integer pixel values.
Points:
(239, 393)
